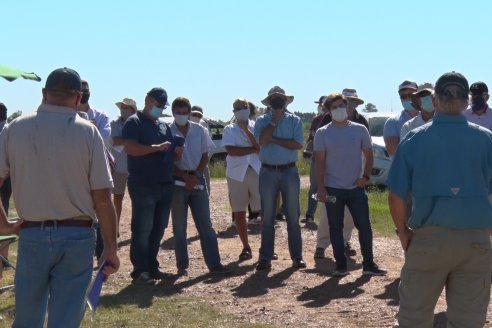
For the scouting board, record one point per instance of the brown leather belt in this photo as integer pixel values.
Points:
(57, 223)
(279, 167)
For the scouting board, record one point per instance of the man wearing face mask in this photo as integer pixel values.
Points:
(127, 108)
(280, 136)
(392, 127)
(97, 117)
(423, 100)
(150, 184)
(479, 112)
(242, 169)
(191, 191)
(341, 181)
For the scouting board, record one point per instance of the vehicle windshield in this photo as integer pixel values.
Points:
(376, 125)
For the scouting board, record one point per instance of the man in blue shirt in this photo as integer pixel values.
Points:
(280, 136)
(446, 240)
(392, 127)
(150, 184)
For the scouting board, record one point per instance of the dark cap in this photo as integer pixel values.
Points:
(159, 94)
(197, 109)
(479, 88)
(3, 108)
(321, 100)
(451, 78)
(63, 79)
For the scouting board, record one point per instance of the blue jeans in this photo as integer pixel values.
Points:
(198, 202)
(286, 182)
(312, 203)
(357, 203)
(151, 205)
(54, 270)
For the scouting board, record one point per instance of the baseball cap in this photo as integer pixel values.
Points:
(479, 88)
(3, 108)
(159, 94)
(407, 85)
(451, 78)
(197, 109)
(63, 79)
(127, 101)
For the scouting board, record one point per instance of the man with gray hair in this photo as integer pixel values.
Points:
(447, 238)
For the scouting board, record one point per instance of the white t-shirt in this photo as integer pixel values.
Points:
(197, 142)
(238, 165)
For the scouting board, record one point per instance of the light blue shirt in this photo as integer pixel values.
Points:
(447, 166)
(289, 128)
(393, 125)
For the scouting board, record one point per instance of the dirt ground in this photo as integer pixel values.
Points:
(283, 297)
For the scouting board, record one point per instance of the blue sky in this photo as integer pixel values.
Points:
(215, 51)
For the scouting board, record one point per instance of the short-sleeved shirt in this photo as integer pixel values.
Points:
(289, 128)
(196, 144)
(393, 125)
(484, 120)
(55, 159)
(102, 122)
(447, 166)
(237, 166)
(343, 148)
(412, 124)
(153, 168)
(118, 153)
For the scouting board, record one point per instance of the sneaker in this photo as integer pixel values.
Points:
(319, 253)
(159, 275)
(340, 272)
(299, 264)
(349, 251)
(255, 221)
(308, 219)
(263, 265)
(220, 269)
(144, 279)
(373, 270)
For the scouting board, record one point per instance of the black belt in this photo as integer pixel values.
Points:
(279, 167)
(57, 223)
(189, 172)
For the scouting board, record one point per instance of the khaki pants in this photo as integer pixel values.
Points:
(323, 234)
(456, 259)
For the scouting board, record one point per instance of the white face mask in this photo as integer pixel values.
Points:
(339, 114)
(195, 119)
(426, 104)
(242, 115)
(181, 119)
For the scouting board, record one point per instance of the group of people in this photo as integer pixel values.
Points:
(439, 200)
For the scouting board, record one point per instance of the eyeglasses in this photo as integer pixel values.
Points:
(405, 96)
(159, 105)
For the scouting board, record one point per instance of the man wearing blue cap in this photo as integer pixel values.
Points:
(150, 184)
(447, 238)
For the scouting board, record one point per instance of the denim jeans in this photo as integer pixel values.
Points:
(54, 270)
(357, 203)
(286, 182)
(151, 205)
(313, 187)
(198, 202)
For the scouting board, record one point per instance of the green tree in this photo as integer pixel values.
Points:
(370, 108)
(14, 115)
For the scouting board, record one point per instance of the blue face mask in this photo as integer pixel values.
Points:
(156, 112)
(426, 104)
(407, 105)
